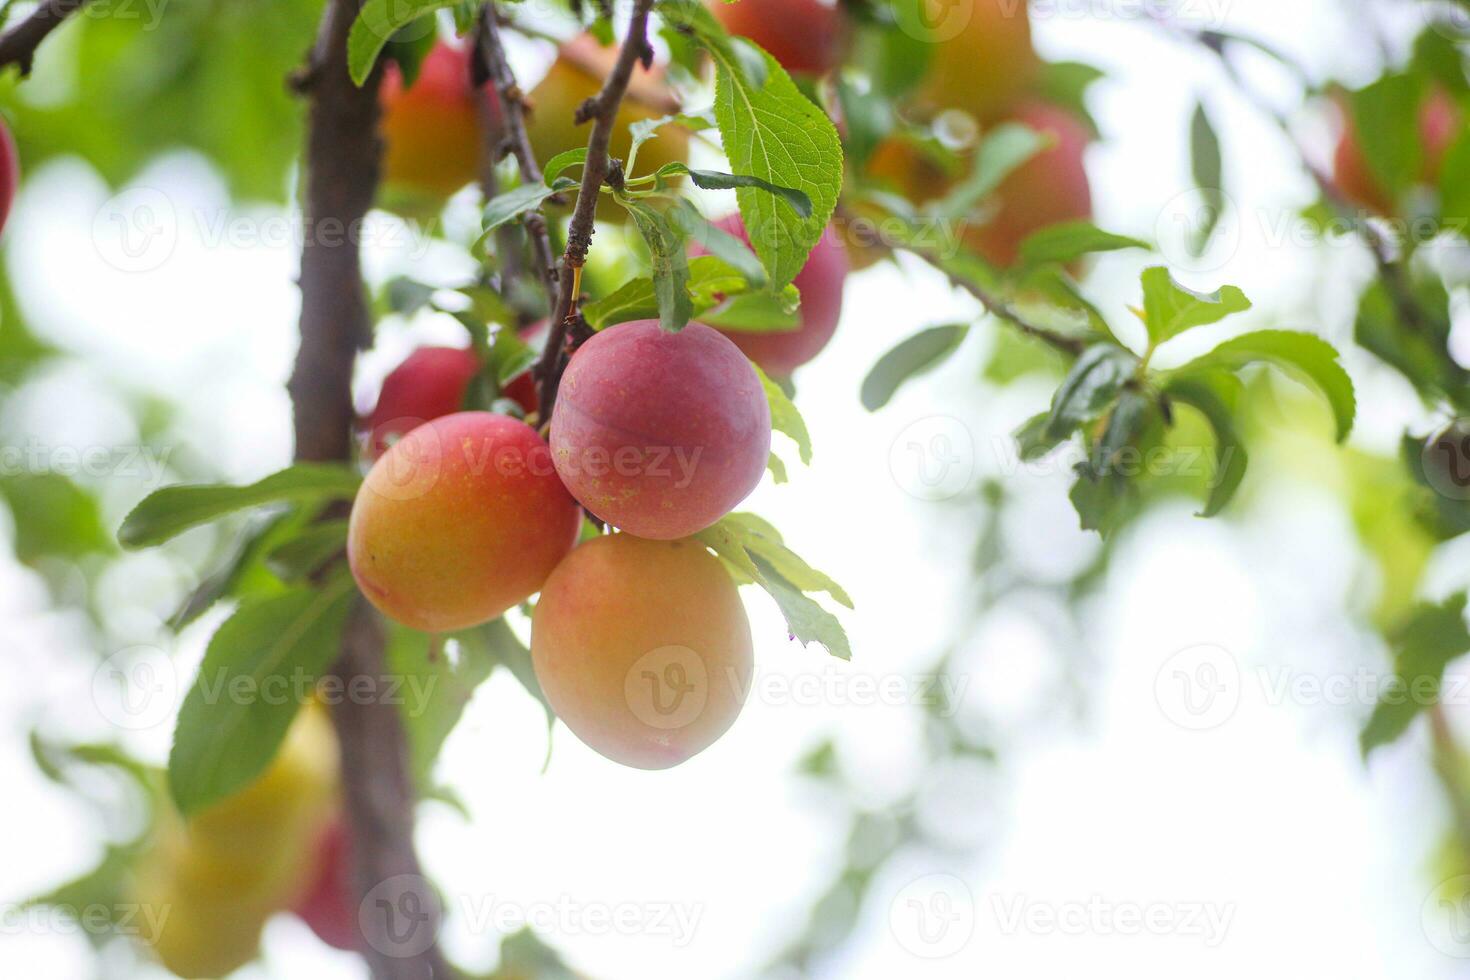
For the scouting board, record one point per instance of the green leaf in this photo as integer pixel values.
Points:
(1423, 645)
(758, 312)
(1101, 502)
(1067, 242)
(1125, 421)
(717, 242)
(1454, 187)
(670, 261)
(711, 281)
(714, 180)
(1304, 356)
(773, 132)
(1170, 309)
(376, 23)
(256, 669)
(1208, 169)
(1386, 118)
(513, 204)
(756, 553)
(306, 552)
(1215, 394)
(1091, 385)
(53, 515)
(562, 162)
(785, 418)
(170, 511)
(922, 352)
(1415, 343)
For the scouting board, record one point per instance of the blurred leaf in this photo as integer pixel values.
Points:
(223, 740)
(1065, 83)
(1089, 388)
(922, 352)
(1416, 342)
(306, 552)
(53, 516)
(1003, 151)
(170, 511)
(1067, 242)
(1208, 170)
(1304, 356)
(1171, 309)
(1216, 394)
(1386, 119)
(377, 22)
(1423, 645)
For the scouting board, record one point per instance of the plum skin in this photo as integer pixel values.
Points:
(821, 282)
(459, 521)
(660, 434)
(431, 129)
(429, 384)
(803, 35)
(643, 648)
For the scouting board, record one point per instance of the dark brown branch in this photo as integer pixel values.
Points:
(602, 111)
(18, 45)
(512, 135)
(342, 153)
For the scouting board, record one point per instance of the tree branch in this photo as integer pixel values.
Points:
(18, 45)
(342, 153)
(513, 137)
(602, 111)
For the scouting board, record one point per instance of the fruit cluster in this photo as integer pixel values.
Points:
(207, 885)
(639, 639)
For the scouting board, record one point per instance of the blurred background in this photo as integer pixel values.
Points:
(1048, 753)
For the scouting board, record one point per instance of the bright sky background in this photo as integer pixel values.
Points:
(1267, 825)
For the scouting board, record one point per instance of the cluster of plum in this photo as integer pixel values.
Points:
(206, 885)
(469, 514)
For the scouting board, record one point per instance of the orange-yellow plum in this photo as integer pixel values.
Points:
(660, 434)
(643, 648)
(431, 129)
(576, 76)
(1439, 124)
(821, 282)
(460, 520)
(805, 36)
(981, 58)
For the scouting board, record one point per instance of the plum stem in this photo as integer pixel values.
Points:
(602, 111)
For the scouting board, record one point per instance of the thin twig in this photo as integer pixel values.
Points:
(342, 154)
(514, 137)
(18, 45)
(601, 110)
